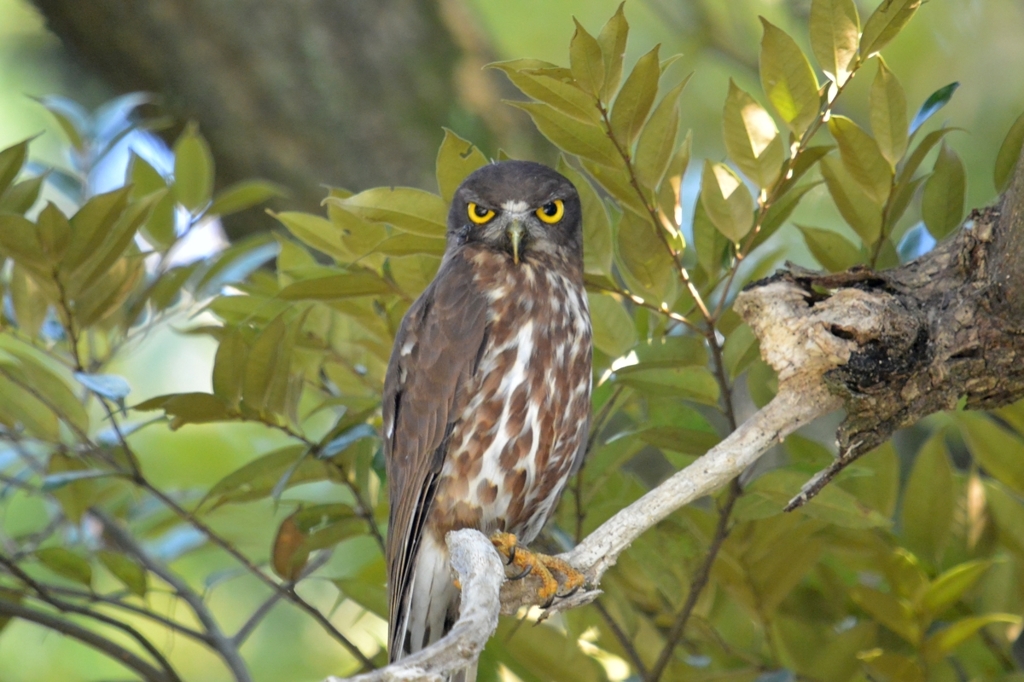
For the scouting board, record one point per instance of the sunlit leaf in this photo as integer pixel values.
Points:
(862, 158)
(888, 105)
(945, 641)
(788, 79)
(634, 100)
(408, 209)
(612, 40)
(193, 169)
(586, 140)
(189, 408)
(127, 571)
(586, 61)
(947, 589)
(540, 84)
(456, 159)
(751, 138)
(658, 138)
(942, 201)
(835, 32)
(243, 195)
(885, 23)
(66, 563)
(11, 161)
(726, 200)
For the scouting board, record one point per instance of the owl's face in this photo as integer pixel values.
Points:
(520, 208)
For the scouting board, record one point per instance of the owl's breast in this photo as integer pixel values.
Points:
(515, 442)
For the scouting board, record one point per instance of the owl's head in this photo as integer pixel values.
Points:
(520, 208)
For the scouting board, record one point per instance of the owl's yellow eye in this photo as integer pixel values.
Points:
(551, 213)
(479, 214)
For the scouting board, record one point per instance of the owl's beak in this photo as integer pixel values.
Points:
(515, 233)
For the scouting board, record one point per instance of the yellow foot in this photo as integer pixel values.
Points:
(541, 565)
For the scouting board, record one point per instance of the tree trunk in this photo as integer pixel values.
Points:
(304, 93)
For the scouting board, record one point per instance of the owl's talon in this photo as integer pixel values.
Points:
(547, 605)
(526, 571)
(543, 566)
(569, 593)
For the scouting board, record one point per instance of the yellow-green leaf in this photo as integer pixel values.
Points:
(945, 641)
(91, 224)
(266, 372)
(54, 231)
(243, 195)
(346, 285)
(1009, 152)
(888, 105)
(885, 23)
(643, 256)
(66, 563)
(22, 196)
(727, 200)
(586, 61)
(831, 249)
(862, 158)
(690, 383)
(574, 136)
(835, 32)
(456, 159)
(947, 589)
(29, 301)
(193, 169)
(751, 138)
(614, 333)
(892, 612)
(942, 201)
(929, 500)
(634, 100)
(858, 209)
(997, 450)
(612, 40)
(11, 161)
(316, 232)
(658, 138)
(189, 408)
(540, 84)
(127, 571)
(597, 230)
(409, 209)
(788, 79)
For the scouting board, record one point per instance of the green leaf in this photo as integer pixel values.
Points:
(22, 196)
(751, 138)
(58, 480)
(788, 79)
(267, 367)
(237, 262)
(781, 210)
(690, 383)
(456, 159)
(888, 106)
(72, 118)
(942, 202)
(644, 257)
(858, 209)
(11, 161)
(539, 83)
(892, 612)
(709, 242)
(127, 571)
(929, 500)
(19, 240)
(831, 249)
(835, 32)
(832, 505)
(597, 229)
(658, 138)
(935, 101)
(315, 232)
(945, 641)
(995, 449)
(676, 439)
(160, 227)
(189, 408)
(741, 348)
(409, 209)
(28, 300)
(947, 589)
(885, 23)
(66, 563)
(586, 61)
(331, 287)
(862, 158)
(243, 195)
(229, 368)
(256, 479)
(120, 238)
(193, 169)
(726, 200)
(1006, 160)
(54, 231)
(586, 140)
(614, 333)
(92, 223)
(612, 40)
(635, 99)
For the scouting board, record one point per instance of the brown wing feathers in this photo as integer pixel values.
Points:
(434, 353)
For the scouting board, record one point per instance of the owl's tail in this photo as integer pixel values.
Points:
(433, 604)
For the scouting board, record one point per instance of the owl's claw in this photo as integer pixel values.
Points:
(543, 566)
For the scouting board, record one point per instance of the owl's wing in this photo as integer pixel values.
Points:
(436, 351)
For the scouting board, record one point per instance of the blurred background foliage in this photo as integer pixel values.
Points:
(908, 568)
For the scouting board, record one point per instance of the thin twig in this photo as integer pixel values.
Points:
(127, 606)
(624, 641)
(86, 636)
(595, 431)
